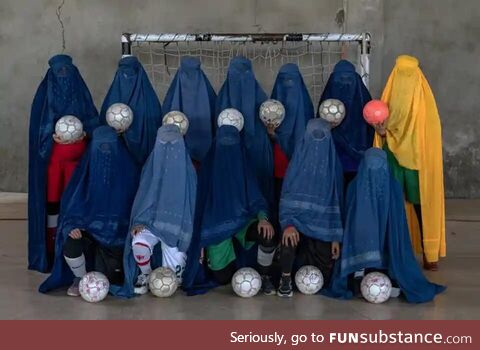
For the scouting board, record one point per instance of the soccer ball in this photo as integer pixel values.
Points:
(69, 129)
(94, 287)
(177, 118)
(246, 282)
(376, 287)
(119, 116)
(375, 112)
(162, 282)
(332, 110)
(309, 279)
(231, 116)
(272, 113)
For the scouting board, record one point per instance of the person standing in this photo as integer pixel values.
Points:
(412, 139)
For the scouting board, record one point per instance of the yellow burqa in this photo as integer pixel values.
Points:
(414, 136)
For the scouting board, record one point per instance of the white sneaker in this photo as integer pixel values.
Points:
(73, 290)
(141, 286)
(395, 292)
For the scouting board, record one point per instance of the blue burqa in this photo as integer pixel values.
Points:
(191, 93)
(291, 91)
(228, 198)
(242, 92)
(132, 87)
(165, 201)
(376, 233)
(98, 199)
(354, 135)
(312, 192)
(61, 92)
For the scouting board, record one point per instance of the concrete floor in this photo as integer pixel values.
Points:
(19, 298)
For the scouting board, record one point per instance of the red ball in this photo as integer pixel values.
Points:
(375, 112)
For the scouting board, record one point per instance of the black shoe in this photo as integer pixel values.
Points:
(267, 286)
(285, 289)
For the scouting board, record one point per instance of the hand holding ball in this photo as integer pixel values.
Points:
(272, 113)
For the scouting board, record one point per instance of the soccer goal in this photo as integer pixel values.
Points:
(315, 54)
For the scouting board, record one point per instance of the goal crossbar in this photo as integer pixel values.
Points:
(315, 53)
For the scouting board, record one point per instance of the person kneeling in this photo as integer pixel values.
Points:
(311, 206)
(231, 215)
(222, 256)
(94, 214)
(162, 213)
(376, 234)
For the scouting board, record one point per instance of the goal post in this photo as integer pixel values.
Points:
(315, 53)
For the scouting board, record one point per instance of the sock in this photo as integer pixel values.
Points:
(77, 265)
(265, 258)
(52, 219)
(142, 254)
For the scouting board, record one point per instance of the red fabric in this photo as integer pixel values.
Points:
(280, 161)
(63, 162)
(196, 165)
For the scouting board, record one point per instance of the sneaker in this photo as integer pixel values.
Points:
(395, 292)
(285, 288)
(73, 290)
(141, 286)
(267, 286)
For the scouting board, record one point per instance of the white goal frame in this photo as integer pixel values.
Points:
(163, 40)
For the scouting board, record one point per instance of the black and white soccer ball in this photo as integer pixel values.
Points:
(162, 282)
(246, 282)
(69, 129)
(272, 113)
(332, 110)
(376, 287)
(119, 116)
(309, 279)
(177, 118)
(94, 287)
(231, 116)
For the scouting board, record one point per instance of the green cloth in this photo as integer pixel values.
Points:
(221, 254)
(407, 178)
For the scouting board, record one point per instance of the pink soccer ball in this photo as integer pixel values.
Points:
(375, 112)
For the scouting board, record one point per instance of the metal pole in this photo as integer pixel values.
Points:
(243, 37)
(126, 45)
(365, 59)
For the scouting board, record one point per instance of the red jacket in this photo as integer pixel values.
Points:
(280, 161)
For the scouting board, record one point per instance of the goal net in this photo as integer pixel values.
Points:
(315, 54)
